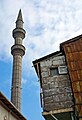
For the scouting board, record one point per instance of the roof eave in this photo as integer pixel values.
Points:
(11, 106)
(69, 41)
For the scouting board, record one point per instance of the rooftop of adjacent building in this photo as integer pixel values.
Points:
(5, 102)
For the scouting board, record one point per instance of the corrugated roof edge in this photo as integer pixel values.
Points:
(70, 40)
(11, 106)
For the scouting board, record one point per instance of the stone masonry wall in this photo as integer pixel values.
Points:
(56, 89)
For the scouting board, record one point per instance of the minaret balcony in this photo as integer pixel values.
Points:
(19, 32)
(18, 49)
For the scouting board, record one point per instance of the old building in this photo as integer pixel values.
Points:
(56, 92)
(8, 111)
(60, 75)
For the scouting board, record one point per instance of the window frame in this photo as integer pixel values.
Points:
(58, 68)
(52, 68)
(62, 72)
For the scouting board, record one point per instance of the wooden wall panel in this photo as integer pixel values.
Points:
(76, 86)
(78, 97)
(73, 52)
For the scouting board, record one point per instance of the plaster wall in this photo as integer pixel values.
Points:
(6, 115)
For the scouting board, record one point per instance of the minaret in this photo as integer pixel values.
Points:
(17, 50)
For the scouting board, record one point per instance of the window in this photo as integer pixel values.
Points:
(54, 71)
(58, 70)
(62, 69)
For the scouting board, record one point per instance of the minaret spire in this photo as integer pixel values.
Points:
(19, 21)
(20, 16)
(17, 50)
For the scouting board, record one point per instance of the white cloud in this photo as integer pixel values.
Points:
(47, 23)
(24, 81)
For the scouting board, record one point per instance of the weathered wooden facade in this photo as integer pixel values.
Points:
(73, 52)
(56, 93)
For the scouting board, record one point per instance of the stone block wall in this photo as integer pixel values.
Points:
(56, 89)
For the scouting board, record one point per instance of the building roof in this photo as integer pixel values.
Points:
(58, 52)
(70, 40)
(46, 57)
(11, 107)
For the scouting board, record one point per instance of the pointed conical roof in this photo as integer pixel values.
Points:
(20, 16)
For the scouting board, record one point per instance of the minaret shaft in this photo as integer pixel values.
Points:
(17, 50)
(16, 81)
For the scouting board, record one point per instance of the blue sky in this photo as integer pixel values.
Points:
(47, 24)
